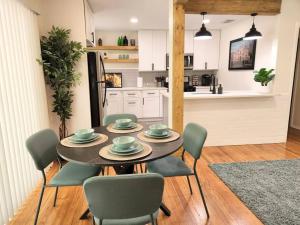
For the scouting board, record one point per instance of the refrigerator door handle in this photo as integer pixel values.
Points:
(104, 74)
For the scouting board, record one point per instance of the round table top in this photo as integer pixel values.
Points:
(90, 155)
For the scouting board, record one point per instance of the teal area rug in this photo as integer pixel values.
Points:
(270, 189)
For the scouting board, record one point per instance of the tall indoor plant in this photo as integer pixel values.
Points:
(59, 58)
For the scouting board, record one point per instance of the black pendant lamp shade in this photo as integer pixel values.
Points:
(253, 34)
(203, 33)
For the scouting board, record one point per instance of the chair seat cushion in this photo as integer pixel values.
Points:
(142, 220)
(73, 174)
(169, 167)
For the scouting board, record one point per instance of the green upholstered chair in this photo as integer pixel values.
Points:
(125, 199)
(42, 148)
(113, 117)
(194, 137)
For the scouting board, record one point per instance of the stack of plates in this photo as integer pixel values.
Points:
(77, 140)
(164, 134)
(135, 148)
(130, 126)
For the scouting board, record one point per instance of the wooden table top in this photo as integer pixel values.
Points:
(90, 155)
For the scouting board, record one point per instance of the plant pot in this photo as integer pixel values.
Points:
(263, 89)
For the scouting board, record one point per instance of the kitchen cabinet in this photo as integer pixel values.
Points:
(152, 50)
(133, 103)
(188, 42)
(114, 103)
(89, 24)
(151, 105)
(206, 52)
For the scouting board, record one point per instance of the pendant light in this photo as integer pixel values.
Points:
(203, 34)
(253, 34)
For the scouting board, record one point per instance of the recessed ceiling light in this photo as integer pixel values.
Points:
(134, 20)
(205, 21)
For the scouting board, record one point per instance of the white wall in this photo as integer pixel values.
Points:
(69, 14)
(266, 50)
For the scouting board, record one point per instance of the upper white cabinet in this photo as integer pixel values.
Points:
(206, 52)
(89, 23)
(188, 42)
(152, 50)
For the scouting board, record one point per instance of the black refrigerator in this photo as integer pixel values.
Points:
(97, 84)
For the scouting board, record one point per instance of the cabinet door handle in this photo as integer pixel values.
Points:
(131, 94)
(131, 103)
(113, 94)
(206, 65)
(151, 93)
(143, 101)
(152, 66)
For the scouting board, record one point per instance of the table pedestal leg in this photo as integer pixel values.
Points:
(84, 216)
(165, 209)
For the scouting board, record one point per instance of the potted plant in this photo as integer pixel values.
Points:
(264, 77)
(59, 58)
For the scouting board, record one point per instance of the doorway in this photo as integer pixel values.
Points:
(294, 122)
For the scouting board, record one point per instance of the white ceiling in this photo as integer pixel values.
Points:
(152, 14)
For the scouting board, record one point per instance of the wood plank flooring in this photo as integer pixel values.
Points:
(224, 207)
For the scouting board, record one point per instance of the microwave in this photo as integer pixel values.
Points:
(188, 61)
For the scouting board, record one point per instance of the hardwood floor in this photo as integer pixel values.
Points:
(224, 207)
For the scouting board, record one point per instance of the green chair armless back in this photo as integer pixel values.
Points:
(42, 148)
(113, 117)
(194, 137)
(124, 196)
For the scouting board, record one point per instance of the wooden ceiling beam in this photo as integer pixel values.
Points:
(233, 7)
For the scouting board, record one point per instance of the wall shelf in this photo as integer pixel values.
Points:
(112, 47)
(121, 60)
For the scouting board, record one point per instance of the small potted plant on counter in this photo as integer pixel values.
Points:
(264, 77)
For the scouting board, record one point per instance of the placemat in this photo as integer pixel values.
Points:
(173, 137)
(104, 153)
(112, 130)
(102, 138)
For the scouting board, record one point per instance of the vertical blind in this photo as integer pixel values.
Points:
(23, 105)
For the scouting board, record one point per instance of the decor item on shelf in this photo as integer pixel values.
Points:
(253, 34)
(139, 82)
(242, 54)
(264, 77)
(59, 58)
(105, 55)
(114, 80)
(132, 42)
(99, 42)
(220, 89)
(125, 41)
(203, 33)
(119, 42)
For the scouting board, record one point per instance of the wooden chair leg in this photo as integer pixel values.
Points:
(141, 168)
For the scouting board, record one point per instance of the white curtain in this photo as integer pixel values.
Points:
(23, 104)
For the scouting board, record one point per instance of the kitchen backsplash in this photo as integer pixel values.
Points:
(129, 76)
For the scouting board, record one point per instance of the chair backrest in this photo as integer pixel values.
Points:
(124, 196)
(42, 148)
(194, 137)
(113, 117)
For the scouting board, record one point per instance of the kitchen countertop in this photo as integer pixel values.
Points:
(136, 88)
(226, 94)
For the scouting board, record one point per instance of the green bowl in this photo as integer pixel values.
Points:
(84, 133)
(123, 142)
(158, 128)
(123, 122)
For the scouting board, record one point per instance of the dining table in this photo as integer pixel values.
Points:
(90, 155)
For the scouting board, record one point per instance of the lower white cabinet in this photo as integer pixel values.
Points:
(151, 103)
(144, 104)
(133, 106)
